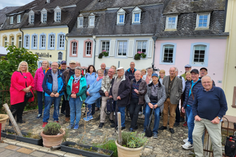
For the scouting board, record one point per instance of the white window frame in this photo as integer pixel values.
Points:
(31, 17)
(18, 18)
(80, 23)
(136, 46)
(120, 12)
(43, 13)
(34, 41)
(74, 49)
(91, 20)
(86, 48)
(43, 41)
(56, 11)
(12, 41)
(27, 41)
(51, 41)
(136, 10)
(19, 41)
(163, 52)
(106, 45)
(208, 20)
(11, 20)
(167, 23)
(117, 49)
(61, 46)
(5, 41)
(194, 49)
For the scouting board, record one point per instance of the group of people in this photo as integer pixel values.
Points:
(131, 92)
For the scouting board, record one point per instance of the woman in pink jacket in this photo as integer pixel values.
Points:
(38, 81)
(22, 82)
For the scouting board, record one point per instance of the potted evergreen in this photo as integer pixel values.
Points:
(3, 120)
(52, 135)
(132, 144)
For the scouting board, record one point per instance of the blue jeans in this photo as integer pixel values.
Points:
(98, 102)
(122, 112)
(89, 109)
(40, 101)
(147, 116)
(190, 123)
(75, 110)
(48, 103)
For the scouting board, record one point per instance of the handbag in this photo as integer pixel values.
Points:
(230, 146)
(148, 131)
(101, 92)
(110, 106)
(28, 94)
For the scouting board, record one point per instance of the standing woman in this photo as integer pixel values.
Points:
(148, 76)
(76, 90)
(162, 75)
(91, 75)
(38, 82)
(21, 92)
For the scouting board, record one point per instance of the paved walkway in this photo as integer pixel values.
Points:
(88, 133)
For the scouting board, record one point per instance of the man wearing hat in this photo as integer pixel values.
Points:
(155, 98)
(204, 72)
(63, 106)
(190, 91)
(187, 68)
(119, 91)
(67, 74)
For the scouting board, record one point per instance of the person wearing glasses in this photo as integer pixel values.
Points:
(22, 82)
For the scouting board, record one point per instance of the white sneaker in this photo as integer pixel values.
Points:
(140, 113)
(185, 140)
(187, 146)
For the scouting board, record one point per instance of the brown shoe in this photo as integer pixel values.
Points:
(67, 119)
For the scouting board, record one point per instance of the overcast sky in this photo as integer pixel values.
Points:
(6, 3)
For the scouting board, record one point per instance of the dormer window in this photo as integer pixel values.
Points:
(31, 17)
(80, 21)
(136, 15)
(171, 23)
(18, 18)
(11, 20)
(121, 16)
(203, 21)
(44, 15)
(91, 20)
(57, 14)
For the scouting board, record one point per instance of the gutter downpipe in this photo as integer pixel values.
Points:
(22, 38)
(153, 61)
(94, 38)
(226, 8)
(66, 48)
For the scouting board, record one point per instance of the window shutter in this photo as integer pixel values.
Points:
(130, 48)
(112, 49)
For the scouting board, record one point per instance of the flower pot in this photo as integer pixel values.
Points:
(128, 152)
(3, 120)
(52, 140)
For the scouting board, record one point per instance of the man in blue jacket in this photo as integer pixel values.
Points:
(130, 72)
(53, 86)
(208, 109)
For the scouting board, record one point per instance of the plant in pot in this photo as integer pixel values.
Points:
(132, 144)
(52, 134)
(103, 53)
(139, 55)
(3, 120)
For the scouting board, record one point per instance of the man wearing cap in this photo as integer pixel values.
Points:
(187, 68)
(120, 89)
(63, 106)
(155, 98)
(67, 74)
(190, 92)
(204, 72)
(173, 88)
(208, 109)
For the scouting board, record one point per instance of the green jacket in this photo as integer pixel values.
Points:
(184, 76)
(82, 88)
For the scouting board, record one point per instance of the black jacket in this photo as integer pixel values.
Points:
(123, 91)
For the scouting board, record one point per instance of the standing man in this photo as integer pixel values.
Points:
(191, 90)
(204, 72)
(67, 74)
(130, 72)
(187, 68)
(63, 106)
(208, 109)
(173, 88)
(120, 90)
(53, 86)
(103, 67)
(106, 85)
(177, 111)
(137, 95)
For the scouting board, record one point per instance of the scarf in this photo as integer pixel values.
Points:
(99, 78)
(76, 79)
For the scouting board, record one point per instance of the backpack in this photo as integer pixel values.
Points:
(110, 106)
(230, 146)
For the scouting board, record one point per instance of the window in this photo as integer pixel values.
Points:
(31, 17)
(44, 18)
(80, 21)
(26, 43)
(19, 42)
(51, 41)
(43, 15)
(61, 41)
(141, 46)
(74, 48)
(91, 20)
(171, 22)
(168, 54)
(121, 16)
(5, 41)
(136, 15)
(43, 41)
(234, 98)
(122, 48)
(105, 46)
(88, 48)
(18, 18)
(203, 21)
(199, 53)
(58, 17)
(34, 41)
(57, 14)
(60, 56)
(12, 41)
(11, 20)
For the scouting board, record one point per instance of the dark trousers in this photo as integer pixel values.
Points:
(63, 106)
(133, 111)
(177, 119)
(93, 108)
(17, 109)
(67, 109)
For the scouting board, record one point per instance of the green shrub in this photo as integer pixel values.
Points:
(52, 128)
(109, 145)
(133, 140)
